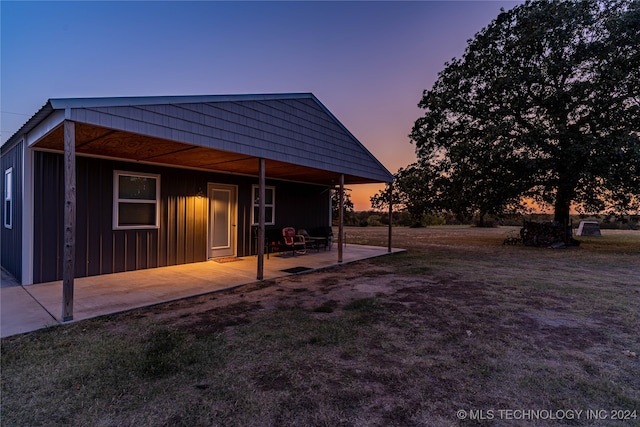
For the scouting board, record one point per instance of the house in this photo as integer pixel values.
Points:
(102, 185)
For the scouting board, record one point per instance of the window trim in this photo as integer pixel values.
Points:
(8, 198)
(254, 220)
(117, 200)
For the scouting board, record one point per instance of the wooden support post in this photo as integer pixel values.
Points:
(261, 237)
(68, 268)
(390, 215)
(341, 218)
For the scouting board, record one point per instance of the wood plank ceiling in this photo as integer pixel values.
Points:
(99, 141)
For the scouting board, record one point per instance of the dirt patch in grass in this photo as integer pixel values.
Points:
(460, 322)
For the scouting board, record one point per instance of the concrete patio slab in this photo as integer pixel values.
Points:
(21, 313)
(28, 308)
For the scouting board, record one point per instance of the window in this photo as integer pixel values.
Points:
(135, 200)
(8, 196)
(269, 205)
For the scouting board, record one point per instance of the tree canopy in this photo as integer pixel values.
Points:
(544, 105)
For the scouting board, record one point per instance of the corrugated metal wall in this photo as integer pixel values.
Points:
(11, 245)
(182, 236)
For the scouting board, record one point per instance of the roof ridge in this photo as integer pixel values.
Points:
(119, 101)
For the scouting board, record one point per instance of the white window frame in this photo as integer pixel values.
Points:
(8, 198)
(117, 200)
(272, 205)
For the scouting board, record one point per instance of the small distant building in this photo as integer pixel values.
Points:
(588, 228)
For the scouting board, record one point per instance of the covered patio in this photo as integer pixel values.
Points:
(26, 309)
(137, 184)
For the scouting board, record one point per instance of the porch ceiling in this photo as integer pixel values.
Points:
(99, 141)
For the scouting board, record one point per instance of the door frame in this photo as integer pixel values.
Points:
(233, 218)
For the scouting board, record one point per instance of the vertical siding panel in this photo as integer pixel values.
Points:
(162, 233)
(113, 253)
(55, 204)
(135, 240)
(119, 251)
(93, 215)
(190, 232)
(150, 250)
(201, 231)
(125, 251)
(171, 231)
(18, 224)
(141, 251)
(174, 226)
(167, 231)
(48, 213)
(37, 221)
(155, 250)
(195, 227)
(180, 237)
(59, 224)
(106, 222)
(83, 221)
(11, 238)
(144, 249)
(131, 255)
(244, 219)
(102, 255)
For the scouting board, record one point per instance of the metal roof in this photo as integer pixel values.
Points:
(288, 129)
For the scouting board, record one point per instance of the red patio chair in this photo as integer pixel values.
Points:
(294, 241)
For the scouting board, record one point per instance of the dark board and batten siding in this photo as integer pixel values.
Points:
(99, 248)
(11, 238)
(48, 207)
(182, 235)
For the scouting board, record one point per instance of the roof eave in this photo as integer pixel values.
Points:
(34, 121)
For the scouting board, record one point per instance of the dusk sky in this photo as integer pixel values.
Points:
(367, 62)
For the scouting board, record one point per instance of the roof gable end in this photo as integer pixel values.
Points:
(291, 128)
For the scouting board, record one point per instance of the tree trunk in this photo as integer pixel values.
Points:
(561, 213)
(481, 219)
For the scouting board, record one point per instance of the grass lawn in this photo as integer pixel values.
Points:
(459, 330)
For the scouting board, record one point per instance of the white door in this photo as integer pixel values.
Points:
(222, 220)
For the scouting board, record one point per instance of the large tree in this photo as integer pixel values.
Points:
(543, 105)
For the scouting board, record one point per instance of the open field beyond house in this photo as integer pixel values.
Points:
(460, 330)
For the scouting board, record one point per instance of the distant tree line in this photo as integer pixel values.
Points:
(373, 218)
